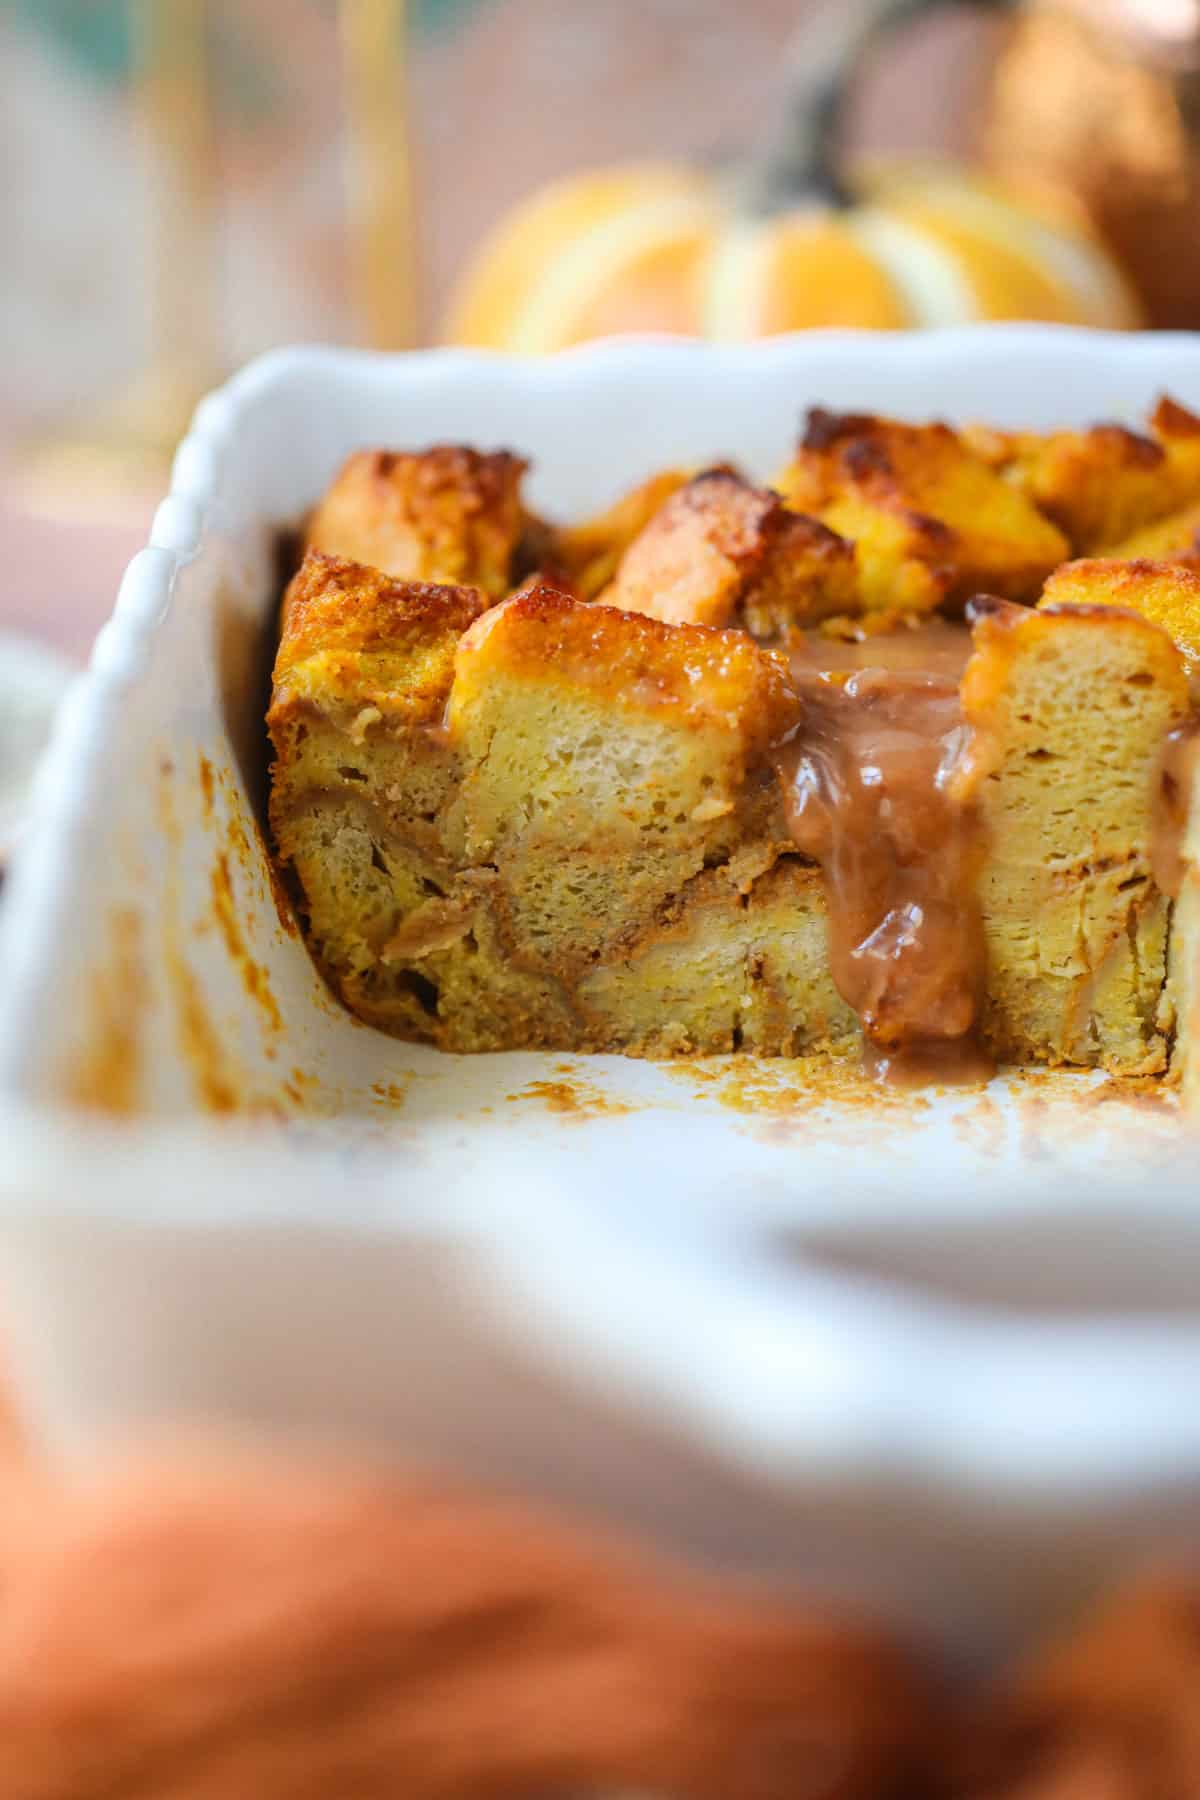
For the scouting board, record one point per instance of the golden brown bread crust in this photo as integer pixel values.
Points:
(1167, 593)
(931, 522)
(204, 1625)
(336, 603)
(588, 553)
(695, 674)
(720, 552)
(448, 514)
(1104, 484)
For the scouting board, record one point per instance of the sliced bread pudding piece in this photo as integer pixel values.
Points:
(1071, 706)
(608, 758)
(363, 771)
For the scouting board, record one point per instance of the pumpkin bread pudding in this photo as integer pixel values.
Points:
(891, 756)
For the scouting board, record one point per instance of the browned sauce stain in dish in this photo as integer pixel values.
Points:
(246, 841)
(232, 917)
(219, 1087)
(200, 1042)
(878, 782)
(253, 975)
(207, 786)
(107, 1075)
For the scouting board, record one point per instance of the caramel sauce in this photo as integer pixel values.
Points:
(930, 647)
(879, 781)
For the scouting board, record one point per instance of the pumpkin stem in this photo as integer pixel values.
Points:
(798, 153)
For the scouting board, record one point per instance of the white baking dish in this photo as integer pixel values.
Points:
(942, 1349)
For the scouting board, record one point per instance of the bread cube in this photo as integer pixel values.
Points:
(1106, 483)
(362, 772)
(588, 553)
(448, 514)
(1166, 593)
(720, 552)
(931, 523)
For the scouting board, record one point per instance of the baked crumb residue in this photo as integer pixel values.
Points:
(1142, 1093)
(981, 1126)
(392, 1093)
(573, 1099)
(793, 1086)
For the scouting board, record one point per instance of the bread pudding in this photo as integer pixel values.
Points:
(890, 757)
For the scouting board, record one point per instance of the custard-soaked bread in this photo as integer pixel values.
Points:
(363, 772)
(608, 758)
(1103, 484)
(723, 971)
(931, 523)
(1166, 593)
(461, 879)
(447, 514)
(721, 552)
(588, 553)
(1071, 706)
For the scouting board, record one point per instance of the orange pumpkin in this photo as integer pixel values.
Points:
(781, 241)
(660, 248)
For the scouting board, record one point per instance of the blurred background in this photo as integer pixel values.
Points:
(188, 182)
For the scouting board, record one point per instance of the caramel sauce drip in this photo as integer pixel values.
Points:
(879, 782)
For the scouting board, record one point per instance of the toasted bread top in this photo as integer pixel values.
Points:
(354, 637)
(1077, 639)
(719, 551)
(920, 493)
(588, 552)
(698, 675)
(449, 513)
(1102, 484)
(1166, 593)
